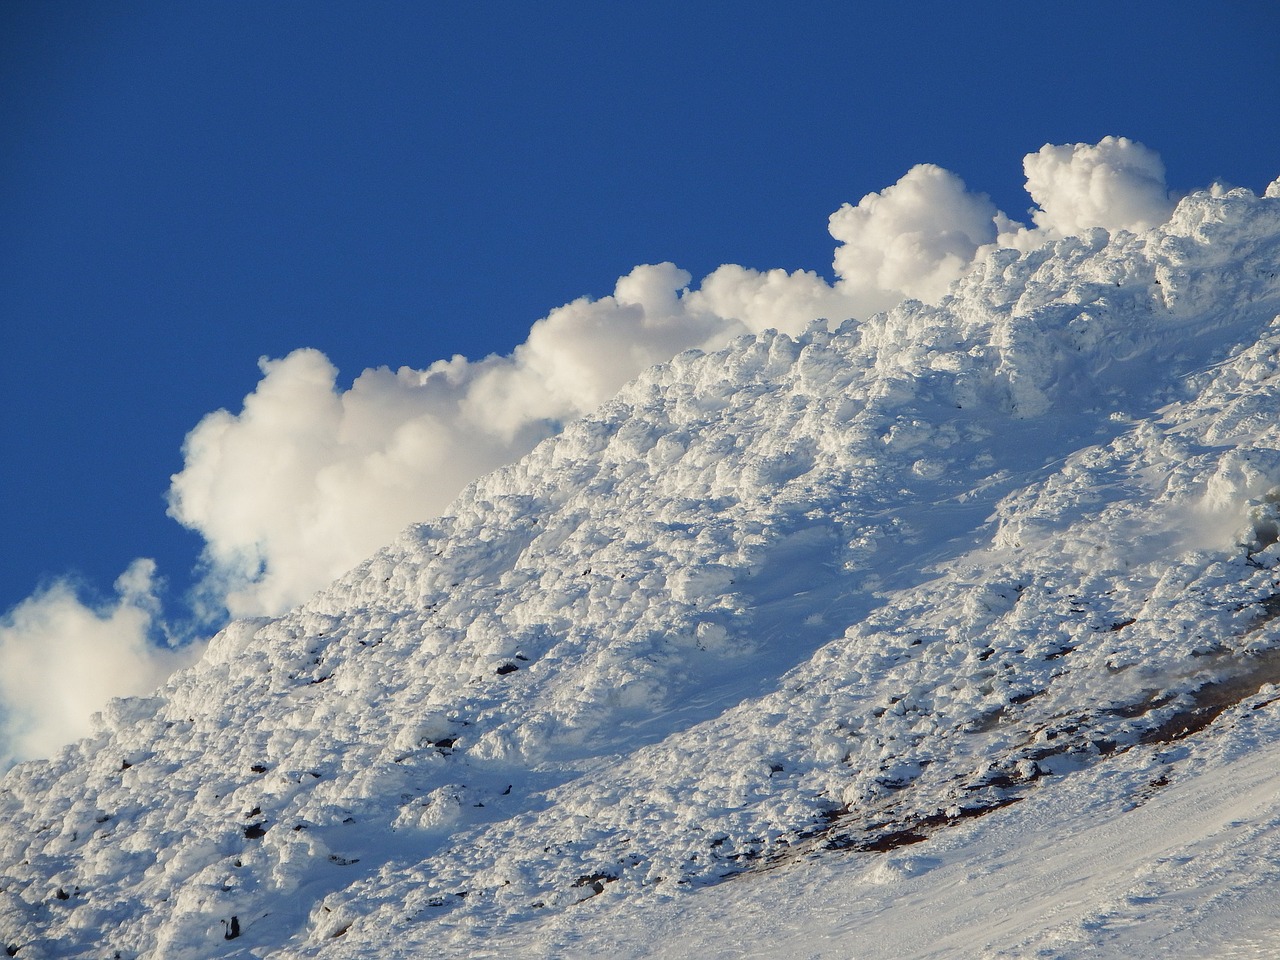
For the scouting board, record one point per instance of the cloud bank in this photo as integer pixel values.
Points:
(308, 479)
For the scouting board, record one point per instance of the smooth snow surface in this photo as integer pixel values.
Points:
(950, 633)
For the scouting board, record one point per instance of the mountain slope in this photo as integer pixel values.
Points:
(798, 600)
(1101, 864)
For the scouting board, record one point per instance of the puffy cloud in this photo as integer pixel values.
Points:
(1116, 184)
(61, 660)
(775, 299)
(309, 479)
(913, 239)
(582, 353)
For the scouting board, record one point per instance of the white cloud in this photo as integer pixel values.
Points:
(775, 299)
(1116, 184)
(913, 239)
(61, 660)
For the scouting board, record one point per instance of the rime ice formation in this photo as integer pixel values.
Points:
(804, 604)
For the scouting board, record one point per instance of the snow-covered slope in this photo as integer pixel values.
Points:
(1166, 851)
(834, 606)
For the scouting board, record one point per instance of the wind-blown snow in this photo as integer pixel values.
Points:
(1140, 863)
(873, 605)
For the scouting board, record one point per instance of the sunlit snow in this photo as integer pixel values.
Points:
(948, 633)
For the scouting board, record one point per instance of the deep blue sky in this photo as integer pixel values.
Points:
(187, 186)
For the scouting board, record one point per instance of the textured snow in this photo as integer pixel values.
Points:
(944, 633)
(1166, 853)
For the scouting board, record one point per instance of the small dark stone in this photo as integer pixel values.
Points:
(595, 880)
(254, 831)
(507, 668)
(62, 894)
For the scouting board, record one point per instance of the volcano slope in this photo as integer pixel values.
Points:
(802, 601)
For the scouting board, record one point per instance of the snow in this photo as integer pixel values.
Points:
(1107, 876)
(948, 633)
(1099, 867)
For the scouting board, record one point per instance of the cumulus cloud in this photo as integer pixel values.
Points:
(775, 299)
(1116, 184)
(62, 659)
(913, 239)
(308, 479)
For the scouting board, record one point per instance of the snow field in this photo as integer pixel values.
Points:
(833, 602)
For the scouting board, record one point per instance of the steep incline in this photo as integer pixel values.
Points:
(824, 594)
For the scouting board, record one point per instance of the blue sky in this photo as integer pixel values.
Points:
(187, 187)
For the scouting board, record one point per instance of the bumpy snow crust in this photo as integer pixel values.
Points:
(799, 599)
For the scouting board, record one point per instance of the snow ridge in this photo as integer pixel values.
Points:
(800, 598)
